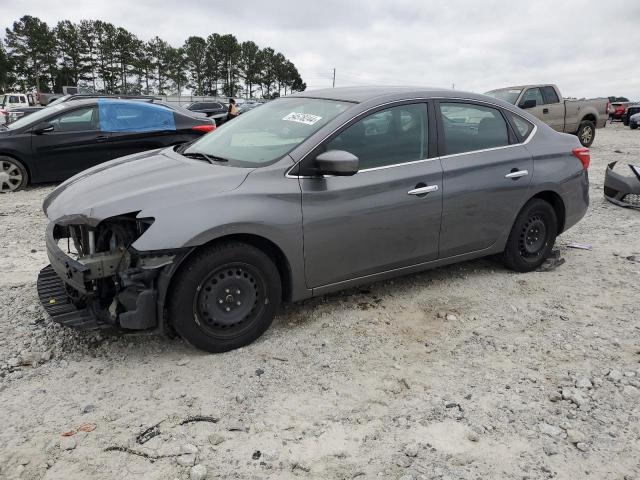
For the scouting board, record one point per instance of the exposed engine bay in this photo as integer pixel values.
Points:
(107, 283)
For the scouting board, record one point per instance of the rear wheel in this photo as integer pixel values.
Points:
(586, 133)
(532, 236)
(225, 297)
(13, 175)
(633, 126)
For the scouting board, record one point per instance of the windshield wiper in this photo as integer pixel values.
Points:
(204, 156)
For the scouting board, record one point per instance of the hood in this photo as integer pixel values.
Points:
(143, 181)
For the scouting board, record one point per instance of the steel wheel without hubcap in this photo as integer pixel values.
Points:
(532, 236)
(224, 296)
(11, 177)
(533, 239)
(229, 299)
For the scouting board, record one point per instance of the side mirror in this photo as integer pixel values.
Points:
(528, 104)
(43, 128)
(337, 162)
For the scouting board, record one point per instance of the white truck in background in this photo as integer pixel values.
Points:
(579, 117)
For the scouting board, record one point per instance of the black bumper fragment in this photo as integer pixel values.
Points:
(57, 303)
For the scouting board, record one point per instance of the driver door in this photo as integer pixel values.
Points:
(386, 216)
(74, 144)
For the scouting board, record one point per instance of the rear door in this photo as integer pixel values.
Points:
(377, 219)
(486, 176)
(74, 144)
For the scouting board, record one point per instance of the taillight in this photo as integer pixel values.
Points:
(204, 128)
(582, 154)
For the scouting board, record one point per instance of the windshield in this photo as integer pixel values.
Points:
(35, 117)
(266, 134)
(4, 100)
(507, 94)
(58, 100)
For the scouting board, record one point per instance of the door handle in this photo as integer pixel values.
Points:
(423, 190)
(545, 110)
(517, 174)
(102, 138)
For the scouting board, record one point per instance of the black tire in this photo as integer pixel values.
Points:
(224, 297)
(532, 236)
(586, 133)
(13, 175)
(633, 126)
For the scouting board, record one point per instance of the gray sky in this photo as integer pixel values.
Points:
(585, 46)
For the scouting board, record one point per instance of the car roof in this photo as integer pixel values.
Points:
(380, 93)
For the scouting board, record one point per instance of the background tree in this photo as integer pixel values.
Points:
(195, 51)
(111, 59)
(27, 42)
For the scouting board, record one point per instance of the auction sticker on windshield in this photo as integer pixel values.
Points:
(305, 118)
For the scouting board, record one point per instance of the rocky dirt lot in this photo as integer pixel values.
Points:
(464, 372)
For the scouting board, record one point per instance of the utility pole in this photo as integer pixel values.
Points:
(334, 78)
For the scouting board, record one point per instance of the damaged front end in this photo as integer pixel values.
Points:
(96, 279)
(623, 190)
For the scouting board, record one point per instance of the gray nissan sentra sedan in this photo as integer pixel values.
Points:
(305, 195)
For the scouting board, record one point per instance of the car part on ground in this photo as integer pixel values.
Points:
(304, 196)
(634, 121)
(623, 190)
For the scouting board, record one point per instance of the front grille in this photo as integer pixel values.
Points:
(53, 293)
(632, 199)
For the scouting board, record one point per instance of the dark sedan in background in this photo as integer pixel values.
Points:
(209, 108)
(61, 140)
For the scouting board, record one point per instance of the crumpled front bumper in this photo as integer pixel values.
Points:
(94, 291)
(620, 189)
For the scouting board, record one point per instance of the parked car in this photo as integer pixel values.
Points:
(247, 106)
(208, 108)
(617, 110)
(58, 141)
(629, 111)
(19, 112)
(302, 197)
(634, 121)
(579, 117)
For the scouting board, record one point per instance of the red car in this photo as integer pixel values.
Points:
(617, 110)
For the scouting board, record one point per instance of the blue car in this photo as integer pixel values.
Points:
(56, 142)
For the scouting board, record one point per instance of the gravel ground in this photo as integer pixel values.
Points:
(464, 372)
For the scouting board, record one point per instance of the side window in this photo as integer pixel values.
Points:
(388, 137)
(533, 94)
(550, 95)
(14, 99)
(23, 99)
(135, 117)
(523, 127)
(196, 106)
(82, 119)
(468, 127)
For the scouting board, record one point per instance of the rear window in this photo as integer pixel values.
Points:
(523, 127)
(550, 95)
(133, 116)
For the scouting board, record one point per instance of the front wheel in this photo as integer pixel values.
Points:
(13, 175)
(532, 236)
(224, 297)
(586, 133)
(633, 126)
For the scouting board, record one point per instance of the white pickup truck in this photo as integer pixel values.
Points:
(10, 101)
(579, 117)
